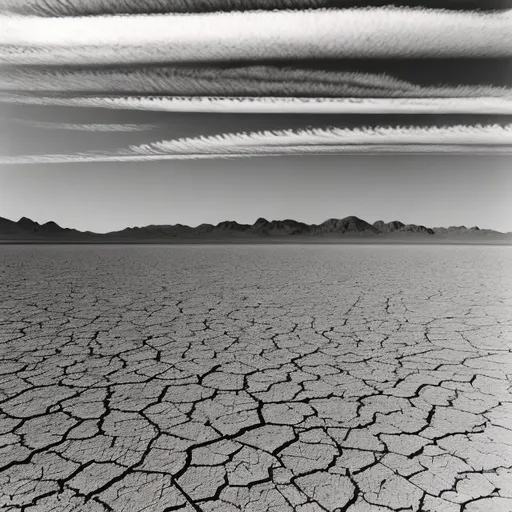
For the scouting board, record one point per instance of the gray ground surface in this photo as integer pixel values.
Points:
(359, 379)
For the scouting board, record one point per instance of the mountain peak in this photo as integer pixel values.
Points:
(396, 226)
(28, 224)
(261, 222)
(349, 224)
(52, 227)
(232, 225)
(27, 221)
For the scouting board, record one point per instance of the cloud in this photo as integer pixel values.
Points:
(85, 127)
(345, 149)
(210, 81)
(492, 139)
(265, 105)
(251, 81)
(458, 134)
(239, 36)
(56, 8)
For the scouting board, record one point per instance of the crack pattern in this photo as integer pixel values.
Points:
(213, 379)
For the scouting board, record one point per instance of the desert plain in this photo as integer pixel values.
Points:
(255, 378)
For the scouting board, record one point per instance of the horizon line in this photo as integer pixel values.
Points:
(260, 218)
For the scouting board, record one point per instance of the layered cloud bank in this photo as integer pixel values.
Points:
(244, 81)
(453, 139)
(55, 8)
(259, 57)
(260, 35)
(244, 105)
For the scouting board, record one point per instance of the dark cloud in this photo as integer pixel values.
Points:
(244, 81)
(99, 7)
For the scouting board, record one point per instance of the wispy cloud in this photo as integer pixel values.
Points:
(344, 33)
(458, 134)
(456, 139)
(56, 8)
(345, 149)
(85, 127)
(265, 105)
(252, 81)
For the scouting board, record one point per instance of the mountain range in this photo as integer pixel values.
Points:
(348, 229)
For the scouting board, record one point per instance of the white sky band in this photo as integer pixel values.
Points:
(457, 134)
(374, 149)
(478, 105)
(447, 139)
(346, 33)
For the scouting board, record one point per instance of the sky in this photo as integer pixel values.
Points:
(428, 190)
(233, 110)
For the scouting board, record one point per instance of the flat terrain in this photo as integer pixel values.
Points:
(255, 378)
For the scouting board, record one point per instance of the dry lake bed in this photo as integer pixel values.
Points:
(255, 378)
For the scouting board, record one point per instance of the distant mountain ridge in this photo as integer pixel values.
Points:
(348, 228)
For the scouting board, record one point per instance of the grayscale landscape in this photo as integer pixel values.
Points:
(255, 378)
(255, 256)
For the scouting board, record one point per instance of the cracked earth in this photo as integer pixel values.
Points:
(352, 378)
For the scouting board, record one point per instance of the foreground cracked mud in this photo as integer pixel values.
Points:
(352, 378)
